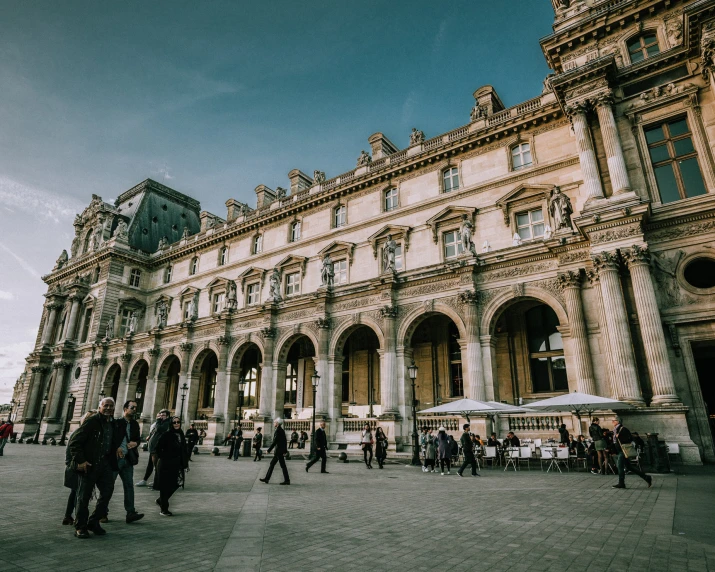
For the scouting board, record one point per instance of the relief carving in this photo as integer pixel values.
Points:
(683, 230)
(429, 288)
(613, 234)
(514, 271)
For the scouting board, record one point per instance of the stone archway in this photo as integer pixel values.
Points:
(110, 387)
(294, 365)
(202, 385)
(246, 364)
(167, 384)
(136, 384)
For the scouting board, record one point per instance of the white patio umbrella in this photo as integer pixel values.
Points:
(578, 403)
(469, 407)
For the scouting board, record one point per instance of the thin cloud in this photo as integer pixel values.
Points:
(4, 295)
(41, 204)
(21, 261)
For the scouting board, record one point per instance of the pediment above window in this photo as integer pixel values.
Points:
(250, 274)
(217, 285)
(291, 262)
(396, 231)
(165, 299)
(521, 196)
(339, 248)
(89, 300)
(129, 304)
(450, 215)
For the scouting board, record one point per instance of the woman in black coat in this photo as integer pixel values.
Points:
(380, 446)
(173, 461)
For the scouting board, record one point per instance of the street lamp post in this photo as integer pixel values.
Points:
(102, 395)
(65, 426)
(12, 407)
(241, 389)
(314, 379)
(42, 416)
(412, 371)
(184, 391)
(138, 396)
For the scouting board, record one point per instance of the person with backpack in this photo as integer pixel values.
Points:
(444, 449)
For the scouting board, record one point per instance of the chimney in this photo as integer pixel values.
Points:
(487, 98)
(235, 209)
(299, 181)
(381, 146)
(264, 196)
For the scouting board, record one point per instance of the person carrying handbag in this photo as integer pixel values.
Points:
(623, 441)
(366, 442)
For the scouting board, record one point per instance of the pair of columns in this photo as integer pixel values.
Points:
(70, 327)
(617, 170)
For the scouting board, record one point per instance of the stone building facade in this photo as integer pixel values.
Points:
(561, 244)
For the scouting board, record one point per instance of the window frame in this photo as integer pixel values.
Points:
(295, 285)
(257, 244)
(168, 272)
(453, 171)
(543, 222)
(519, 145)
(340, 272)
(194, 266)
(340, 216)
(223, 255)
(457, 243)
(294, 226)
(125, 314)
(257, 293)
(218, 302)
(386, 197)
(135, 276)
(548, 354)
(643, 47)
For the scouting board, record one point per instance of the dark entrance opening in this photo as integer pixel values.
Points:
(704, 356)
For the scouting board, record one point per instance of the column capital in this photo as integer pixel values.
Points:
(605, 99)
(468, 297)
(269, 332)
(592, 276)
(636, 255)
(606, 261)
(186, 346)
(224, 340)
(324, 323)
(575, 108)
(99, 361)
(570, 279)
(39, 369)
(61, 364)
(389, 311)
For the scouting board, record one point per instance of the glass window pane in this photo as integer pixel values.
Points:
(558, 371)
(683, 146)
(653, 50)
(659, 153)
(538, 230)
(693, 179)
(527, 157)
(450, 251)
(555, 341)
(634, 45)
(522, 219)
(517, 161)
(667, 187)
(649, 39)
(637, 57)
(515, 151)
(655, 134)
(540, 375)
(525, 233)
(678, 127)
(536, 216)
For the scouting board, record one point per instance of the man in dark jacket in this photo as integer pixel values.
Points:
(321, 446)
(237, 441)
(622, 438)
(468, 450)
(126, 445)
(192, 437)
(280, 448)
(564, 435)
(257, 444)
(91, 452)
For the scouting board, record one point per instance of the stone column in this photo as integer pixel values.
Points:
(335, 384)
(489, 361)
(149, 399)
(592, 276)
(221, 412)
(50, 324)
(612, 143)
(185, 378)
(72, 322)
(656, 352)
(268, 377)
(475, 370)
(586, 153)
(625, 387)
(55, 405)
(278, 389)
(34, 399)
(404, 383)
(124, 391)
(388, 369)
(97, 384)
(585, 381)
(321, 364)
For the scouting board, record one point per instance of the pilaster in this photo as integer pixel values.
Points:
(475, 388)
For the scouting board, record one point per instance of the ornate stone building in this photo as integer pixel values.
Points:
(561, 244)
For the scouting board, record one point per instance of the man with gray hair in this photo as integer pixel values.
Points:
(623, 440)
(90, 450)
(280, 445)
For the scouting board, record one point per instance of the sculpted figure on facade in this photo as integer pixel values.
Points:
(560, 209)
(416, 137)
(133, 323)
(162, 312)
(280, 193)
(74, 249)
(364, 159)
(327, 272)
(388, 255)
(318, 177)
(193, 309)
(61, 261)
(274, 286)
(231, 295)
(466, 231)
(185, 234)
(478, 112)
(163, 243)
(674, 31)
(122, 231)
(109, 330)
(516, 239)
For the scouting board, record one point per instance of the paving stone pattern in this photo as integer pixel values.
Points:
(355, 519)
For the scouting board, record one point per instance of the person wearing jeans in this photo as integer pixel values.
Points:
(622, 437)
(366, 442)
(126, 442)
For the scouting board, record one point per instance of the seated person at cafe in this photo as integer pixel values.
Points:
(638, 441)
(477, 441)
(512, 440)
(579, 448)
(492, 441)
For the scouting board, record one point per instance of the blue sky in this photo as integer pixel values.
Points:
(216, 97)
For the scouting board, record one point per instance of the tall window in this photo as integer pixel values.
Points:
(249, 393)
(187, 306)
(546, 350)
(450, 177)
(253, 294)
(95, 277)
(218, 303)
(452, 243)
(642, 47)
(86, 325)
(293, 284)
(295, 231)
(167, 274)
(134, 277)
(340, 216)
(223, 256)
(530, 224)
(257, 244)
(398, 257)
(340, 270)
(194, 265)
(124, 322)
(456, 381)
(521, 156)
(674, 160)
(291, 390)
(390, 199)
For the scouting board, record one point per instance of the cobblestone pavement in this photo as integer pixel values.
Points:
(355, 519)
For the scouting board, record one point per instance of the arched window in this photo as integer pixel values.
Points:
(520, 156)
(257, 247)
(340, 216)
(223, 256)
(194, 266)
(643, 46)
(450, 178)
(546, 350)
(87, 241)
(390, 199)
(295, 231)
(167, 274)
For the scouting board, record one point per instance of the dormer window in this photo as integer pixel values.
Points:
(223, 256)
(642, 47)
(340, 216)
(521, 156)
(452, 244)
(218, 302)
(295, 231)
(450, 179)
(257, 246)
(194, 265)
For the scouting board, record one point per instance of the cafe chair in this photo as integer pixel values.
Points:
(490, 454)
(562, 457)
(525, 457)
(547, 456)
(511, 456)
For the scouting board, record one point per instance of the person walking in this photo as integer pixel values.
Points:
(468, 451)
(161, 426)
(238, 438)
(366, 442)
(623, 440)
(192, 437)
(599, 443)
(71, 479)
(172, 462)
(380, 446)
(127, 437)
(257, 443)
(90, 451)
(444, 450)
(430, 454)
(280, 448)
(5, 434)
(321, 449)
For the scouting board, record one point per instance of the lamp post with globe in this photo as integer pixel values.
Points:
(412, 372)
(315, 379)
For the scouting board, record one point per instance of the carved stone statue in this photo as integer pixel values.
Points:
(274, 286)
(563, 4)
(231, 297)
(162, 314)
(133, 323)
(486, 247)
(109, 330)
(364, 159)
(193, 309)
(61, 261)
(560, 209)
(388, 255)
(121, 232)
(466, 231)
(75, 242)
(516, 239)
(185, 234)
(478, 112)
(163, 243)
(318, 177)
(548, 233)
(327, 272)
(98, 237)
(280, 193)
(416, 137)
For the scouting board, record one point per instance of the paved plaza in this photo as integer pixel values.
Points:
(354, 519)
